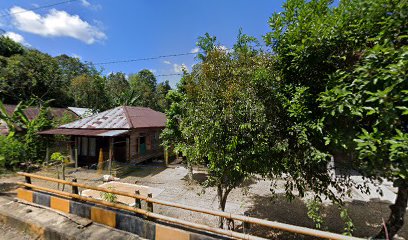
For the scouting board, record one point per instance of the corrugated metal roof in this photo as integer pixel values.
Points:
(113, 133)
(141, 117)
(84, 132)
(110, 119)
(82, 112)
(122, 117)
(32, 112)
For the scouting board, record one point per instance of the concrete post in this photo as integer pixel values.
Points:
(75, 188)
(138, 203)
(149, 204)
(246, 225)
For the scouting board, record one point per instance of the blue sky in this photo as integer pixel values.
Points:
(108, 30)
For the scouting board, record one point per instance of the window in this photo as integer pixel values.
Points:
(92, 147)
(88, 146)
(84, 146)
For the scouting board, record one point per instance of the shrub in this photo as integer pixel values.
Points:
(12, 152)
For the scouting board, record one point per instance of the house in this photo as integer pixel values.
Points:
(32, 113)
(122, 134)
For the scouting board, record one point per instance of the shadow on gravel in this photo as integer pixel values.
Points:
(7, 190)
(142, 171)
(366, 216)
(6, 187)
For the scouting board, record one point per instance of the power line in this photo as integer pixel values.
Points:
(171, 74)
(143, 59)
(37, 8)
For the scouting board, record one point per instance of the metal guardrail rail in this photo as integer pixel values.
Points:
(230, 216)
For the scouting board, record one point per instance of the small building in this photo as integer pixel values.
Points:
(33, 112)
(122, 134)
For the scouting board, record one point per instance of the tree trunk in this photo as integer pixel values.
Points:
(396, 219)
(221, 205)
(190, 171)
(58, 176)
(222, 201)
(63, 175)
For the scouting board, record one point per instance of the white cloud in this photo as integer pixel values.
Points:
(166, 62)
(56, 24)
(179, 68)
(17, 38)
(154, 71)
(223, 48)
(76, 56)
(85, 3)
(195, 50)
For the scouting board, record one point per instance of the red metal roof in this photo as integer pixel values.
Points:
(32, 112)
(141, 117)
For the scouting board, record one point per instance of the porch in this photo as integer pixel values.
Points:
(124, 149)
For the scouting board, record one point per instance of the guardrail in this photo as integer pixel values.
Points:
(149, 214)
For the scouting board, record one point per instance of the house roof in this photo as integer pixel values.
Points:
(123, 117)
(32, 112)
(84, 132)
(82, 112)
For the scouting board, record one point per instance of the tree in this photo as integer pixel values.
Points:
(342, 72)
(23, 144)
(171, 136)
(222, 124)
(116, 84)
(32, 74)
(119, 91)
(374, 98)
(89, 91)
(8, 47)
(162, 89)
(144, 83)
(71, 68)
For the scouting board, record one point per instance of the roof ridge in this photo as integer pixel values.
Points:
(127, 116)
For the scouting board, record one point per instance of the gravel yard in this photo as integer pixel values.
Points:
(254, 199)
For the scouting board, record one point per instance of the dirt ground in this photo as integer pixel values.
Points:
(9, 233)
(254, 199)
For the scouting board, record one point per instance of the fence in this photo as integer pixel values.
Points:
(151, 215)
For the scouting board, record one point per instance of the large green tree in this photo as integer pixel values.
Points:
(161, 91)
(71, 68)
(89, 91)
(119, 92)
(216, 119)
(8, 47)
(32, 74)
(354, 50)
(144, 83)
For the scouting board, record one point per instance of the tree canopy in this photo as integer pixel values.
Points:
(348, 63)
(27, 73)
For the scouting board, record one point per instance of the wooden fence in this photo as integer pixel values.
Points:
(150, 214)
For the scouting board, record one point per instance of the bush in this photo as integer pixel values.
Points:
(12, 152)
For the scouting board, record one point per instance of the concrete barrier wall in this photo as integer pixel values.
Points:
(123, 220)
